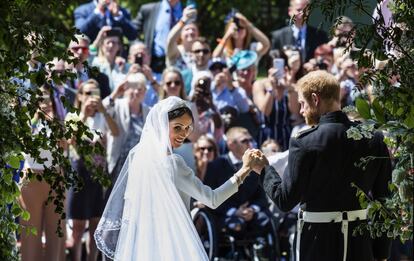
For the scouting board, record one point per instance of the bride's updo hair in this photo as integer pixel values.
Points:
(178, 112)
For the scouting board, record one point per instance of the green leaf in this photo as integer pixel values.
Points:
(33, 231)
(16, 210)
(378, 111)
(363, 108)
(8, 178)
(14, 161)
(25, 215)
(409, 120)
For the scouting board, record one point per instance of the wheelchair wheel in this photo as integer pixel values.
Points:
(265, 247)
(205, 227)
(272, 245)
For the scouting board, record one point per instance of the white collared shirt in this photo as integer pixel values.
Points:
(234, 160)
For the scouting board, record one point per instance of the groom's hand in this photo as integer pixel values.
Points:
(255, 160)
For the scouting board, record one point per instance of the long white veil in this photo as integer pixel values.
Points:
(145, 218)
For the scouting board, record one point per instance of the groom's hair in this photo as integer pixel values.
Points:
(320, 82)
(176, 113)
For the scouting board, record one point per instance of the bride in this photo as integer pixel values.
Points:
(147, 215)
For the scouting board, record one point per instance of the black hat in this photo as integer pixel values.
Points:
(116, 31)
(217, 62)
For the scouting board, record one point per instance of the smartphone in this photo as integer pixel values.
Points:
(191, 3)
(279, 64)
(138, 59)
(96, 93)
(236, 21)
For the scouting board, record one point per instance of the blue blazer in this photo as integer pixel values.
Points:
(89, 23)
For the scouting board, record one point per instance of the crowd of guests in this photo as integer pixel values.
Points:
(161, 53)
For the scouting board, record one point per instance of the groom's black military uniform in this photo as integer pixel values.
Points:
(319, 176)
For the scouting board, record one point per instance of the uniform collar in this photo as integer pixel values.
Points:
(335, 116)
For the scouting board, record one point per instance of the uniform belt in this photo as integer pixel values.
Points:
(328, 217)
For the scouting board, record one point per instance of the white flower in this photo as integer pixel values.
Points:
(354, 133)
(367, 130)
(73, 117)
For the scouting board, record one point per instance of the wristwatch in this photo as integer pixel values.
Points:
(111, 102)
(153, 82)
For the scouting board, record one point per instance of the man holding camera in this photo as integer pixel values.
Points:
(154, 21)
(80, 51)
(92, 16)
(139, 60)
(304, 37)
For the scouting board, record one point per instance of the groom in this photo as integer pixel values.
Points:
(320, 173)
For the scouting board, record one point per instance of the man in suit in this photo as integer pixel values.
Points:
(154, 21)
(247, 210)
(320, 173)
(92, 16)
(305, 38)
(80, 50)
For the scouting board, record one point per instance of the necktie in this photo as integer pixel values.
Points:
(60, 109)
(299, 40)
(172, 18)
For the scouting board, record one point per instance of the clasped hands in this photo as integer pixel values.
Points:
(255, 160)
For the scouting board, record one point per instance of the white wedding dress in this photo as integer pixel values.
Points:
(147, 215)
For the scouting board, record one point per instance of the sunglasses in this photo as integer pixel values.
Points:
(209, 149)
(45, 99)
(246, 141)
(89, 93)
(77, 48)
(171, 82)
(204, 51)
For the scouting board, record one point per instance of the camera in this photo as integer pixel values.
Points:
(234, 18)
(204, 85)
(139, 59)
(321, 64)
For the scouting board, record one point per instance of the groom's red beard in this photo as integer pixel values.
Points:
(312, 116)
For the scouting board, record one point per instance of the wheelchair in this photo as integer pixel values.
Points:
(221, 245)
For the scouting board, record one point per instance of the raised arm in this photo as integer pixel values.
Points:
(86, 21)
(218, 51)
(113, 127)
(192, 186)
(263, 44)
(262, 96)
(172, 48)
